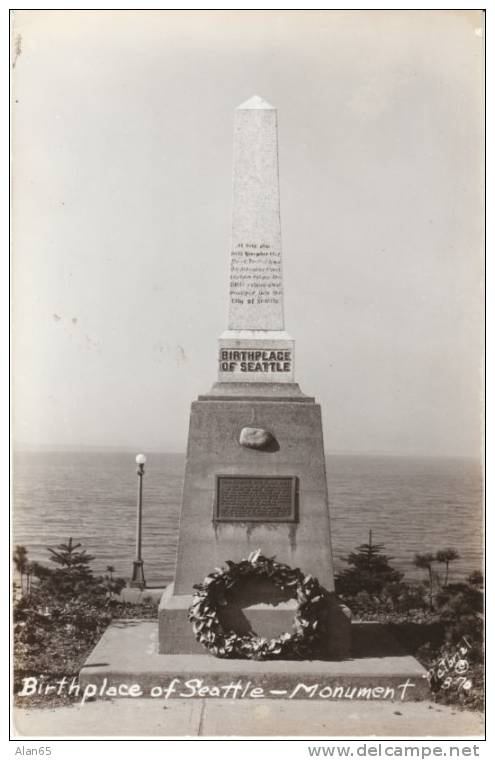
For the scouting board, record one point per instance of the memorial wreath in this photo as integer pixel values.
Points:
(309, 620)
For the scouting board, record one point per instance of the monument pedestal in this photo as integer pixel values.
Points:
(238, 499)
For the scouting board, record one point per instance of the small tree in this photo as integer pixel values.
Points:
(74, 562)
(73, 573)
(425, 561)
(369, 570)
(21, 561)
(447, 556)
(29, 576)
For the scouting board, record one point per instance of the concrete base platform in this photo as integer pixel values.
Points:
(127, 654)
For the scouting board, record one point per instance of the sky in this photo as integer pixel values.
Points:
(121, 219)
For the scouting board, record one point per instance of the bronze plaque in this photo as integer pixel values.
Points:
(250, 498)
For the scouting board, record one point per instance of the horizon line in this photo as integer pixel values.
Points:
(47, 448)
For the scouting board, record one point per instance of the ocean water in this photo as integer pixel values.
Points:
(411, 505)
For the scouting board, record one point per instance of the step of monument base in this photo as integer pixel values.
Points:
(175, 635)
(127, 656)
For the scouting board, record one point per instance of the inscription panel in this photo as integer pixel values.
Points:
(256, 291)
(247, 498)
(263, 361)
(255, 275)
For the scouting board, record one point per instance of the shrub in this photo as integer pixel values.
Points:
(60, 620)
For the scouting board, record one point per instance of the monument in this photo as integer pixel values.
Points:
(255, 473)
(254, 484)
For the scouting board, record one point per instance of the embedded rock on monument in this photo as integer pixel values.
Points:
(256, 438)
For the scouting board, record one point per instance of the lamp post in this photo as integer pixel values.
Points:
(137, 570)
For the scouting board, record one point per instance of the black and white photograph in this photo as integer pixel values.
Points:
(247, 320)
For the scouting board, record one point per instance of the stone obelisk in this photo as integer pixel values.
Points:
(255, 473)
(255, 348)
(256, 303)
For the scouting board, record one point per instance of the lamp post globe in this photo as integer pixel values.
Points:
(138, 580)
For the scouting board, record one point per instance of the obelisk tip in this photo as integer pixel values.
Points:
(255, 102)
